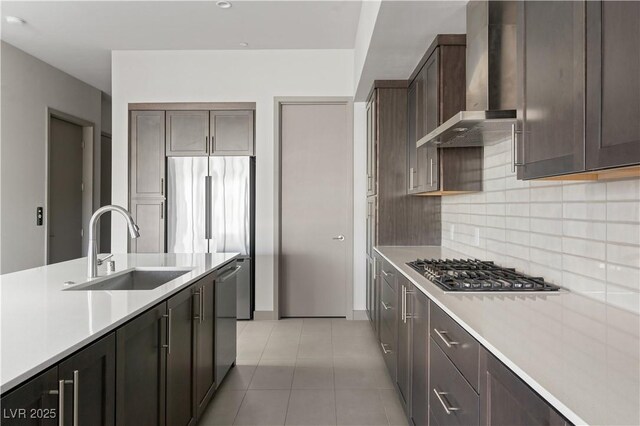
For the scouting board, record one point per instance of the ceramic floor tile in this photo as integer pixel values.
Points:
(360, 407)
(316, 325)
(393, 407)
(351, 328)
(263, 407)
(354, 373)
(223, 408)
(239, 377)
(273, 374)
(312, 407)
(315, 345)
(347, 345)
(240, 326)
(282, 346)
(313, 373)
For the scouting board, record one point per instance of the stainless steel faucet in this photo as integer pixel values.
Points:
(92, 251)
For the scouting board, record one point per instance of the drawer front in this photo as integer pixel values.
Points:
(388, 347)
(389, 273)
(459, 346)
(452, 400)
(388, 306)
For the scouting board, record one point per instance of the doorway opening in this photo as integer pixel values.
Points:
(69, 186)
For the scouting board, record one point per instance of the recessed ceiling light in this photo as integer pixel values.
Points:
(244, 44)
(223, 4)
(15, 20)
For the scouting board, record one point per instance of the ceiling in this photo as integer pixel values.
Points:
(403, 32)
(78, 36)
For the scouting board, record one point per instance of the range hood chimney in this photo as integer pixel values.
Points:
(491, 79)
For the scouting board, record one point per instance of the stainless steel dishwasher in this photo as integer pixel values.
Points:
(225, 331)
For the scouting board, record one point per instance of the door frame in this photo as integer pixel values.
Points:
(277, 205)
(88, 179)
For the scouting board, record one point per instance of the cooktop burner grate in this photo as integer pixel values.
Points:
(477, 275)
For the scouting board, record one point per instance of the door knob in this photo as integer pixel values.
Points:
(339, 238)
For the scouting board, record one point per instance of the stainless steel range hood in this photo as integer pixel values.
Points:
(491, 79)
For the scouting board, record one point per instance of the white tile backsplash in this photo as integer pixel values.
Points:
(584, 236)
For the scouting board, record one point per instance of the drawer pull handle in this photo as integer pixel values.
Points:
(385, 306)
(385, 273)
(445, 339)
(445, 404)
(384, 348)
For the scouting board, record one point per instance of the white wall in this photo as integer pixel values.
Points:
(225, 76)
(584, 236)
(29, 87)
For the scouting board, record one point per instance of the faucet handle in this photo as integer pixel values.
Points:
(101, 261)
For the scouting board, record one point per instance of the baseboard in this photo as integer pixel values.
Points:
(360, 315)
(263, 315)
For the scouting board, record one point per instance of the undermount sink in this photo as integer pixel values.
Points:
(134, 279)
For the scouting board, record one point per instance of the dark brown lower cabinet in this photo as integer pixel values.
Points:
(79, 390)
(452, 399)
(403, 376)
(180, 406)
(204, 319)
(33, 403)
(141, 369)
(91, 378)
(508, 401)
(419, 358)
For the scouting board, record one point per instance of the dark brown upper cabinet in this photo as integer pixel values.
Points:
(147, 153)
(613, 84)
(231, 133)
(578, 89)
(372, 149)
(436, 93)
(187, 133)
(551, 81)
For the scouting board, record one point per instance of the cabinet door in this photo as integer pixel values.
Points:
(369, 286)
(371, 225)
(34, 403)
(551, 73)
(419, 358)
(613, 84)
(146, 163)
(232, 132)
(507, 400)
(377, 281)
(432, 168)
(372, 147)
(204, 318)
(149, 216)
(180, 406)
(92, 393)
(141, 369)
(404, 343)
(225, 322)
(412, 151)
(421, 103)
(187, 133)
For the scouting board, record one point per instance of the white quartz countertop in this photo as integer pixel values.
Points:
(41, 323)
(581, 355)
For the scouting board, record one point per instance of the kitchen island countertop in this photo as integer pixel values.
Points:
(581, 355)
(42, 321)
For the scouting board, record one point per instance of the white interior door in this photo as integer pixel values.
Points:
(316, 209)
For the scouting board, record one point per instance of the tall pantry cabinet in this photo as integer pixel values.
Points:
(393, 216)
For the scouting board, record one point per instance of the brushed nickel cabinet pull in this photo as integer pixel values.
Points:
(447, 408)
(446, 340)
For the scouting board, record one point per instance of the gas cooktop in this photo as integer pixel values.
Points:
(477, 275)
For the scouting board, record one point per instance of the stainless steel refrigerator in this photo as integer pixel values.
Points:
(210, 210)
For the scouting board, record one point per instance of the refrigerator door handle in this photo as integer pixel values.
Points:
(207, 207)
